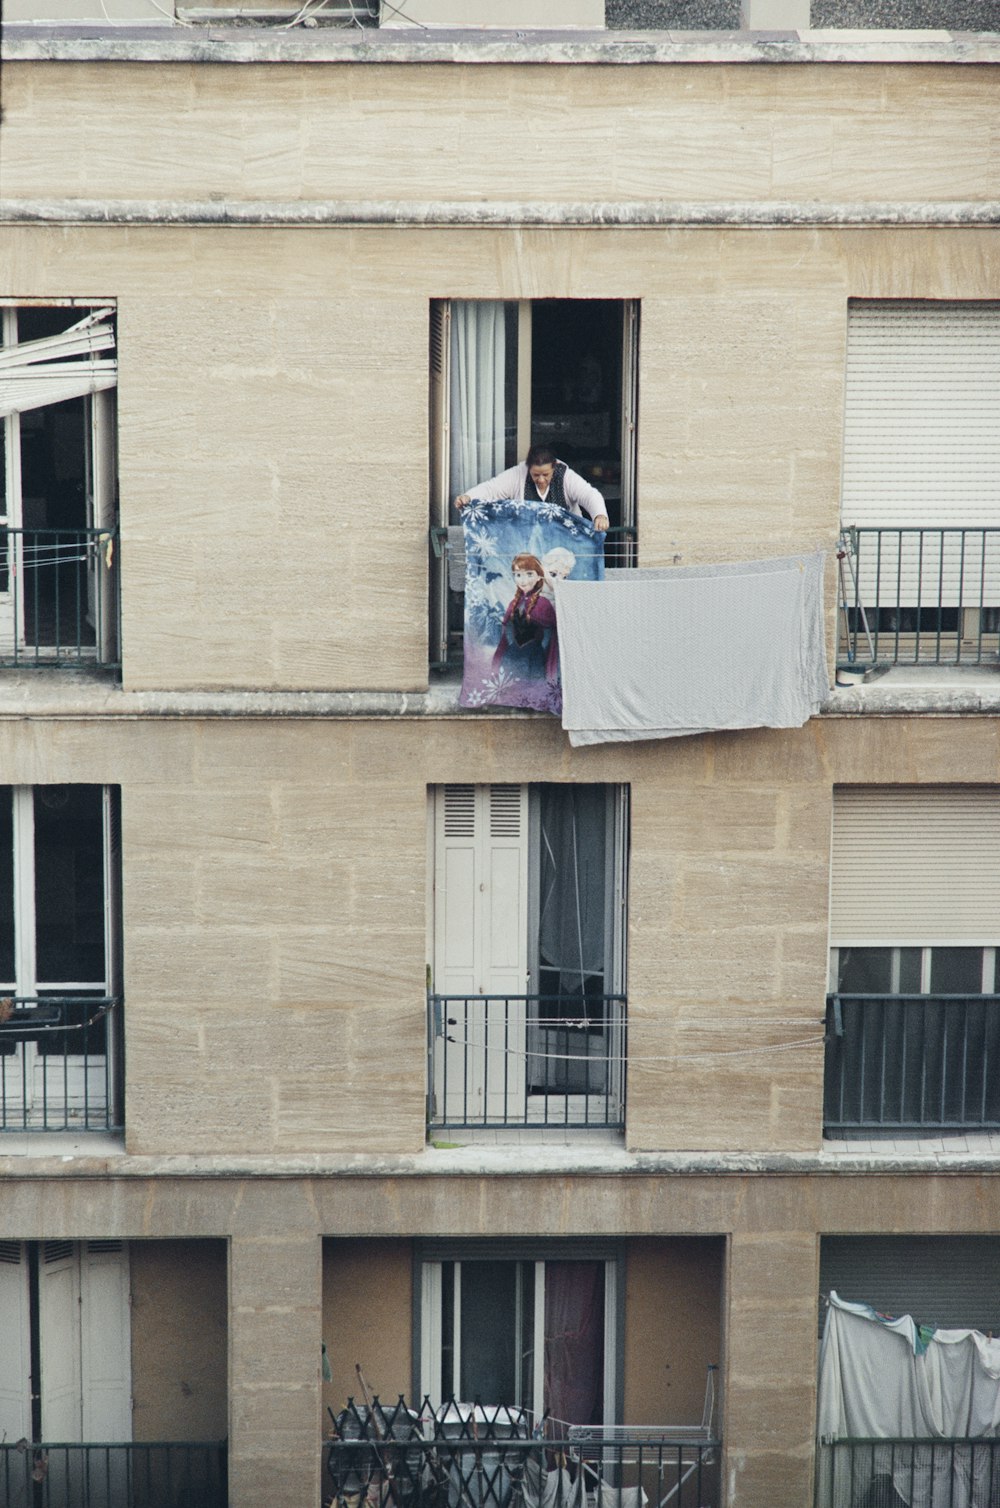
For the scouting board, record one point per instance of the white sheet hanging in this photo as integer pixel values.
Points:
(876, 1382)
(663, 653)
(38, 372)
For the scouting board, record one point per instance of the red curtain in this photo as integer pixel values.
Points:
(574, 1341)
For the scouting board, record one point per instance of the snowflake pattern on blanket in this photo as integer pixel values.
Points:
(514, 551)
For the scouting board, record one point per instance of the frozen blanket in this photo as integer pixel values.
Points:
(515, 553)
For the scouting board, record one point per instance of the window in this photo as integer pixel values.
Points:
(534, 1330)
(65, 1364)
(58, 537)
(506, 375)
(915, 926)
(527, 953)
(920, 488)
(59, 957)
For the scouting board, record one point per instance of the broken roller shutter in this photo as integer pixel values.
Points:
(921, 441)
(34, 373)
(915, 867)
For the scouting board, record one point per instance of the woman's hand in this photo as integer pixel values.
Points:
(600, 523)
(460, 502)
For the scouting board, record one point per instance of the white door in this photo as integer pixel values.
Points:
(85, 1367)
(480, 932)
(15, 1368)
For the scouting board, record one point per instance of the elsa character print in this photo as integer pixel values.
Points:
(528, 646)
(557, 564)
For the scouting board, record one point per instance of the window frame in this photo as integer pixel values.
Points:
(428, 1257)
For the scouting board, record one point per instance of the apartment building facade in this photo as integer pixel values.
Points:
(285, 1056)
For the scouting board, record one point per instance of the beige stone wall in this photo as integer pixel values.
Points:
(694, 132)
(367, 1319)
(275, 915)
(179, 1306)
(273, 405)
(673, 1328)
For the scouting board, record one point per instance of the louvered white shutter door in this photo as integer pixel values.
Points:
(915, 868)
(15, 1343)
(105, 1347)
(481, 948)
(59, 1340)
(922, 442)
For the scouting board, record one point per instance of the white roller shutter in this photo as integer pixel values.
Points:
(915, 867)
(922, 442)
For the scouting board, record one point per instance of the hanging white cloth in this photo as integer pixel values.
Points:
(478, 361)
(34, 373)
(885, 1380)
(662, 653)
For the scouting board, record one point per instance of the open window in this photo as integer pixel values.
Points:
(527, 946)
(532, 1329)
(60, 980)
(58, 525)
(509, 374)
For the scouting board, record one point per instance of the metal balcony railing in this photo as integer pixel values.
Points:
(462, 1455)
(59, 598)
(448, 586)
(526, 1060)
(892, 1473)
(919, 597)
(60, 1063)
(146, 1474)
(912, 1063)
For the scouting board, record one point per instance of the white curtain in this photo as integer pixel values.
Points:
(477, 391)
(38, 372)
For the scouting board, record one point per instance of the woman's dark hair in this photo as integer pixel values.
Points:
(540, 455)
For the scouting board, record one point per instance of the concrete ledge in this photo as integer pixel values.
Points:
(642, 214)
(524, 1160)
(124, 43)
(60, 696)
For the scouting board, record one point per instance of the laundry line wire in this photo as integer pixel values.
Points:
(633, 1059)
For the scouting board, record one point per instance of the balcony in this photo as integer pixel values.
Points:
(59, 598)
(907, 1064)
(891, 1473)
(463, 1455)
(146, 1474)
(447, 564)
(504, 1061)
(919, 597)
(59, 1066)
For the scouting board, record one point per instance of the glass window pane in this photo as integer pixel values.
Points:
(69, 884)
(489, 1309)
(910, 962)
(956, 971)
(865, 971)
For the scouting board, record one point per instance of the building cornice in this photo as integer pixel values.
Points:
(643, 214)
(256, 43)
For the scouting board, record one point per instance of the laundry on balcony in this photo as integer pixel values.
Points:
(515, 553)
(693, 649)
(910, 1404)
(34, 373)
